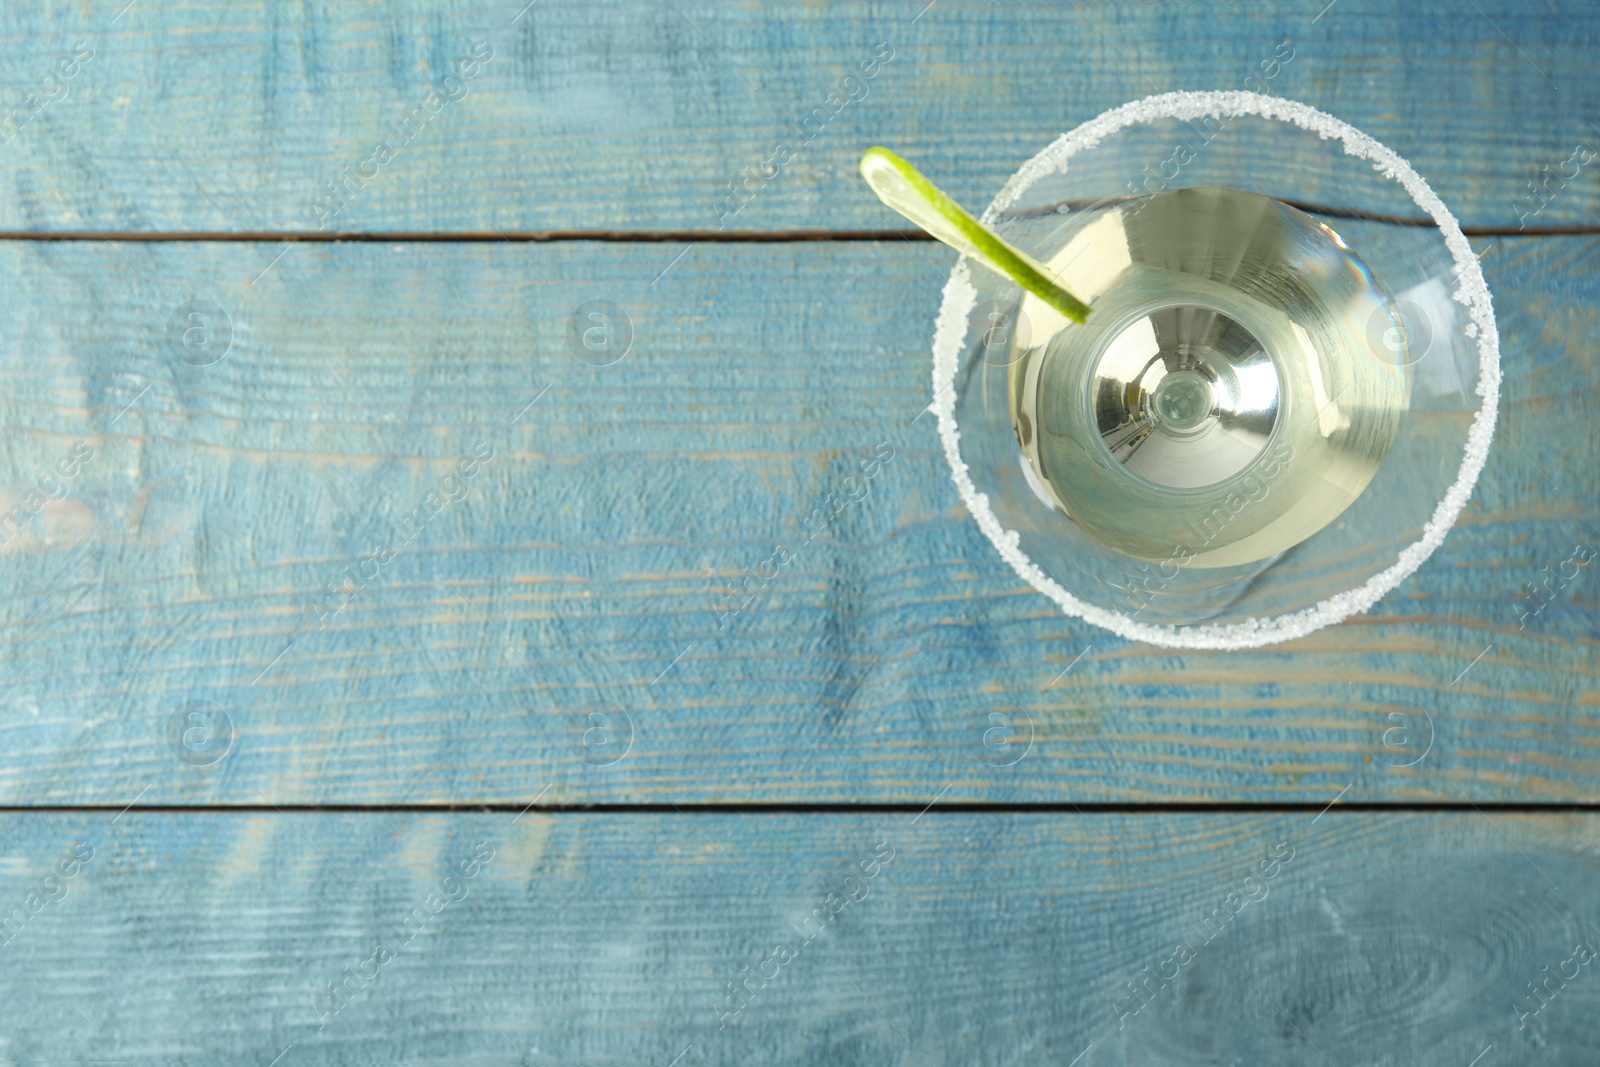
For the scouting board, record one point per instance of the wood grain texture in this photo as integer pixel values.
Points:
(959, 940)
(636, 114)
(555, 625)
(368, 524)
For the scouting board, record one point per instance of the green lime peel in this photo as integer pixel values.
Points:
(903, 187)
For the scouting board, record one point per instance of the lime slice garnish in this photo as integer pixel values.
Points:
(902, 187)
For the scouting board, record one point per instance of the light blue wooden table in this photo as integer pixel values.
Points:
(366, 698)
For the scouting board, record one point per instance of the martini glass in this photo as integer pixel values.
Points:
(1215, 370)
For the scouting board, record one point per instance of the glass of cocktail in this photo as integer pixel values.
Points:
(1216, 369)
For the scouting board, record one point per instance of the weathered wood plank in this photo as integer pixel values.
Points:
(637, 115)
(946, 939)
(583, 567)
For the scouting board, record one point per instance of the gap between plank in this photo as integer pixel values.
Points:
(844, 808)
(639, 236)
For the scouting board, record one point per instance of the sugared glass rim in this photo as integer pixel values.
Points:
(1472, 291)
